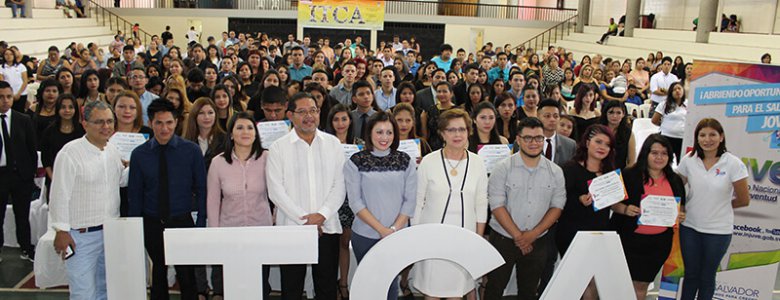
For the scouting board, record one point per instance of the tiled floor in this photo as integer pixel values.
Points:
(13, 270)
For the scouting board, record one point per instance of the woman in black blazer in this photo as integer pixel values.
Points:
(647, 247)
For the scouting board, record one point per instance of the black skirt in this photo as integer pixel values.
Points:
(646, 254)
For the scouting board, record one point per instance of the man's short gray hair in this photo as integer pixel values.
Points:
(95, 105)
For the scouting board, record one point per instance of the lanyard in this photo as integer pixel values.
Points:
(449, 184)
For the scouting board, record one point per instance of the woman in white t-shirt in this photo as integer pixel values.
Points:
(670, 115)
(714, 177)
(15, 74)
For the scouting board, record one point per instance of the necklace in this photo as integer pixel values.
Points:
(454, 170)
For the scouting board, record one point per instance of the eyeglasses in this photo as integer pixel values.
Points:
(109, 122)
(528, 138)
(456, 130)
(137, 77)
(312, 112)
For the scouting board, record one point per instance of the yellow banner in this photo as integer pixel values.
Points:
(350, 14)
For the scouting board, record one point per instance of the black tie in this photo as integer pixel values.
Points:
(163, 194)
(4, 144)
(548, 151)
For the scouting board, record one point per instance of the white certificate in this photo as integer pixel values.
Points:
(659, 211)
(411, 147)
(491, 154)
(607, 189)
(350, 149)
(272, 131)
(126, 142)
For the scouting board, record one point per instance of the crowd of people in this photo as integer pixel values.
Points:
(204, 163)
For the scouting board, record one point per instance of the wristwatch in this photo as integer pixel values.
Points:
(393, 228)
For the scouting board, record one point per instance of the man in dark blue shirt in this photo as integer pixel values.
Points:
(167, 177)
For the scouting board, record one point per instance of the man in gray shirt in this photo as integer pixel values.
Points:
(526, 193)
(343, 91)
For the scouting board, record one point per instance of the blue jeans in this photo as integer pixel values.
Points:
(361, 245)
(87, 267)
(14, 6)
(702, 253)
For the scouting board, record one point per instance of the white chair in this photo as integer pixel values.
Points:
(642, 128)
(633, 109)
(644, 110)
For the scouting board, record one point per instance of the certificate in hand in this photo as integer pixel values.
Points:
(272, 131)
(350, 149)
(126, 142)
(411, 147)
(491, 154)
(659, 211)
(607, 189)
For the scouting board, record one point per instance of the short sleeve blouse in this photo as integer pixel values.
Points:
(708, 209)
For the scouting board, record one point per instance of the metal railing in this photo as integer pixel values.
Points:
(392, 7)
(550, 36)
(481, 10)
(105, 17)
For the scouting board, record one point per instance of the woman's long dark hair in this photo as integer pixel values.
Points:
(467, 106)
(708, 123)
(83, 90)
(642, 159)
(257, 146)
(261, 80)
(329, 122)
(494, 136)
(620, 134)
(74, 88)
(252, 76)
(512, 120)
(581, 154)
(41, 88)
(76, 114)
(403, 86)
(671, 103)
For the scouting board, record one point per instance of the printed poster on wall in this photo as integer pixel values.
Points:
(348, 14)
(745, 98)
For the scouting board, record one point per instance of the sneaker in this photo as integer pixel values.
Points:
(28, 255)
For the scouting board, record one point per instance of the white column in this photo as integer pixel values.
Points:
(632, 17)
(708, 13)
(374, 40)
(774, 19)
(583, 15)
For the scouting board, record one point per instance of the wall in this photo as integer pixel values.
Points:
(459, 36)
(756, 15)
(602, 10)
(672, 14)
(212, 26)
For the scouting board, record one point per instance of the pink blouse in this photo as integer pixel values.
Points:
(237, 194)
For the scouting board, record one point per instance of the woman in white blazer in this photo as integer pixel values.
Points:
(451, 189)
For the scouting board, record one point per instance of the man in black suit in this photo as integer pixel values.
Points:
(559, 149)
(461, 90)
(427, 97)
(18, 163)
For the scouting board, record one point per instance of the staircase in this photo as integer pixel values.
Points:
(49, 27)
